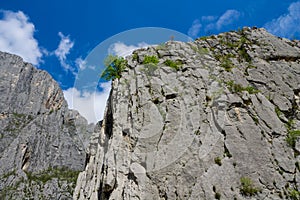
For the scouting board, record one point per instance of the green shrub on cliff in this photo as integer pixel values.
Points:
(115, 65)
(151, 60)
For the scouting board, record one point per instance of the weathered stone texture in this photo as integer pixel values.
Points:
(193, 133)
(38, 134)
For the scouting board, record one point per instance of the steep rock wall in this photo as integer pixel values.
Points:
(220, 122)
(41, 141)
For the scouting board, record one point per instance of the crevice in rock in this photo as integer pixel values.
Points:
(125, 132)
(123, 193)
(87, 159)
(105, 190)
(282, 57)
(171, 96)
(292, 112)
(161, 135)
(132, 177)
(236, 105)
(219, 128)
(241, 133)
(251, 81)
(163, 194)
(109, 117)
(162, 91)
(226, 151)
(100, 191)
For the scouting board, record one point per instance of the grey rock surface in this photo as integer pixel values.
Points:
(42, 142)
(219, 127)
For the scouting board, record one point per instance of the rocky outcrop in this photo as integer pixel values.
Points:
(217, 118)
(41, 141)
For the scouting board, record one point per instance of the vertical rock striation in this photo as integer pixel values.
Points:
(215, 118)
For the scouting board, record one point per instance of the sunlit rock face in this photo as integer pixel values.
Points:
(214, 118)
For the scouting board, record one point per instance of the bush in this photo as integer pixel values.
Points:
(135, 56)
(200, 51)
(278, 111)
(63, 173)
(292, 137)
(226, 63)
(151, 60)
(243, 54)
(8, 174)
(173, 64)
(247, 187)
(204, 38)
(114, 67)
(217, 195)
(294, 194)
(218, 161)
(251, 90)
(233, 87)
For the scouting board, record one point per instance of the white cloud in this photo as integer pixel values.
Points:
(121, 49)
(90, 105)
(82, 65)
(287, 25)
(210, 23)
(227, 18)
(195, 28)
(208, 18)
(16, 36)
(63, 49)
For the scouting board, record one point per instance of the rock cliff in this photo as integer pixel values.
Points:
(217, 118)
(41, 141)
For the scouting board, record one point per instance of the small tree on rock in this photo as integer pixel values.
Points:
(115, 65)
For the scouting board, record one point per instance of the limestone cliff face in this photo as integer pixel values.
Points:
(217, 118)
(41, 141)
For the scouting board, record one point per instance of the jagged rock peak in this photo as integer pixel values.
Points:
(217, 118)
(42, 142)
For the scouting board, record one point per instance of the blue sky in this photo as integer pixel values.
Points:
(58, 35)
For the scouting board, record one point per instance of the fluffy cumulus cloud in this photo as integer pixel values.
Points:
(63, 49)
(121, 49)
(17, 36)
(194, 29)
(90, 105)
(287, 25)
